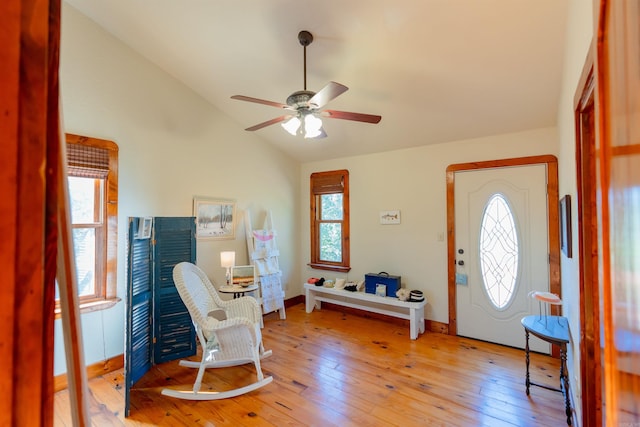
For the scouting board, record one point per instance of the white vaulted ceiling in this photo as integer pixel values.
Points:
(435, 70)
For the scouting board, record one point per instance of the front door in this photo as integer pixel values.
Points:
(501, 251)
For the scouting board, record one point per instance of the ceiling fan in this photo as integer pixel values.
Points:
(305, 108)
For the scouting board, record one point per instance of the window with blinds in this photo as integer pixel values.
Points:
(92, 182)
(87, 161)
(330, 220)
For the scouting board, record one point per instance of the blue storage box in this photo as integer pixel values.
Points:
(393, 283)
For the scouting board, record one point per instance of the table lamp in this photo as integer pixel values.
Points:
(228, 260)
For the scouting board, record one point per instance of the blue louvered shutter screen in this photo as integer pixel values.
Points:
(139, 333)
(158, 328)
(173, 329)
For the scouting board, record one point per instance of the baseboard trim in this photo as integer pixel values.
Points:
(60, 382)
(438, 327)
(294, 301)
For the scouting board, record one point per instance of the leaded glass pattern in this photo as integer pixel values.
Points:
(499, 251)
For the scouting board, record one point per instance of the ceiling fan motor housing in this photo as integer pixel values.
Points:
(300, 99)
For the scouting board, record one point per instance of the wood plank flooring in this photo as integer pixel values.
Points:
(332, 368)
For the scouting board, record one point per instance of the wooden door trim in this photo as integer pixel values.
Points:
(590, 346)
(551, 163)
(29, 127)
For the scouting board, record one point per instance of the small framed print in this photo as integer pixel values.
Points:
(243, 275)
(389, 217)
(144, 227)
(565, 225)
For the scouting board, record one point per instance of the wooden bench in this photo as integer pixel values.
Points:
(412, 311)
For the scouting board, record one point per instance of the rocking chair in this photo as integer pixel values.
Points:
(228, 331)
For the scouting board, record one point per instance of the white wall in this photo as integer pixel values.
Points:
(173, 145)
(412, 181)
(579, 35)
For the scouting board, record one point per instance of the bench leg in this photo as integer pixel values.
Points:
(416, 319)
(310, 301)
(413, 323)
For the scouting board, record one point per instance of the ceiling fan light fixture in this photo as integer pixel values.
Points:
(315, 133)
(312, 126)
(292, 125)
(312, 123)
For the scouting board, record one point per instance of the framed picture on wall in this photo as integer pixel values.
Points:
(215, 218)
(144, 227)
(565, 225)
(389, 217)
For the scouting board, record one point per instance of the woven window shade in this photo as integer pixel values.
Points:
(328, 183)
(87, 161)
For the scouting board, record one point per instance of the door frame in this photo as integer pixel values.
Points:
(551, 163)
(590, 345)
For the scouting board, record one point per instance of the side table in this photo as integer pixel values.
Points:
(237, 290)
(554, 330)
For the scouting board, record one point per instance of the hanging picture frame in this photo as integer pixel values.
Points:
(144, 227)
(215, 218)
(390, 217)
(565, 225)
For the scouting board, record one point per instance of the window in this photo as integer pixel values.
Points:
(92, 166)
(499, 253)
(330, 220)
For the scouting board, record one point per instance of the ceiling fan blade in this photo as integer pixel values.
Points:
(259, 101)
(268, 123)
(346, 115)
(331, 91)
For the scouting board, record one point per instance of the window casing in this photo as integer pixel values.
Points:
(92, 168)
(329, 193)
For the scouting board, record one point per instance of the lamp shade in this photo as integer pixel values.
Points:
(227, 259)
(310, 126)
(312, 123)
(292, 125)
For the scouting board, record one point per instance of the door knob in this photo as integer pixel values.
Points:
(460, 262)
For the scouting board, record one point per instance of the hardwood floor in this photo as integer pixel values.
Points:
(332, 368)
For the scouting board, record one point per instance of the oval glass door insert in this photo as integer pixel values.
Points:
(499, 251)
